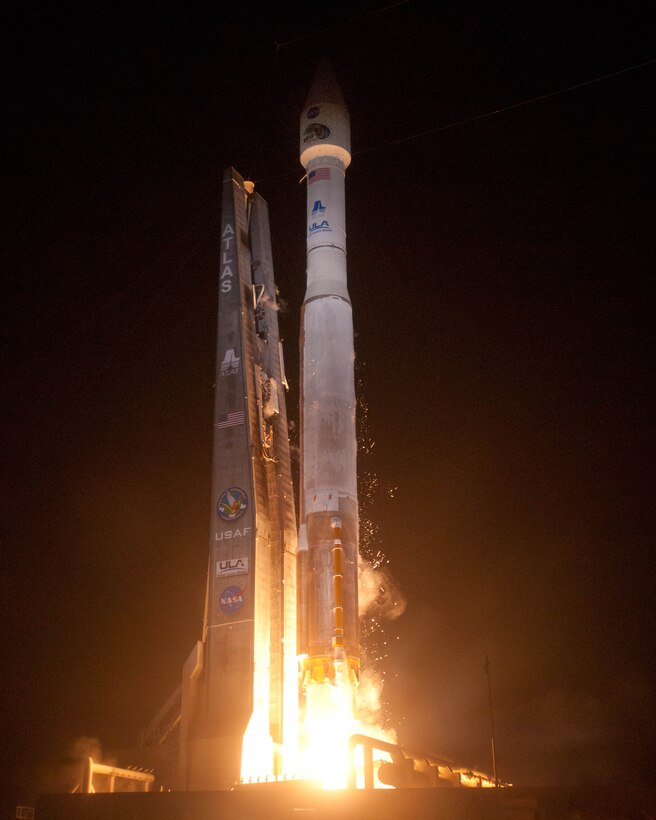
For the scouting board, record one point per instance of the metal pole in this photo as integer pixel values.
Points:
(486, 666)
(87, 777)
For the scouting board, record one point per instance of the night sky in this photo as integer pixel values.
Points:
(501, 273)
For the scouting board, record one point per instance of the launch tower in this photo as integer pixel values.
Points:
(237, 713)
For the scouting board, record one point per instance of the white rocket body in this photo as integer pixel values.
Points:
(328, 543)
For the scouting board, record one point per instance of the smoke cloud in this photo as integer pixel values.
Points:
(380, 595)
(66, 774)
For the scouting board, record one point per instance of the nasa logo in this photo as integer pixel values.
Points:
(232, 504)
(230, 364)
(228, 535)
(231, 600)
(316, 131)
(231, 566)
(322, 226)
(319, 208)
(313, 112)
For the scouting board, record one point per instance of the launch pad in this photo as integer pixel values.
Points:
(286, 800)
(294, 801)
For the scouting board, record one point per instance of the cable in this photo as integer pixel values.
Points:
(505, 108)
(484, 116)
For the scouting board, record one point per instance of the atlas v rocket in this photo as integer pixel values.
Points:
(328, 533)
(240, 683)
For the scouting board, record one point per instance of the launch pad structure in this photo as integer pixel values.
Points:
(233, 691)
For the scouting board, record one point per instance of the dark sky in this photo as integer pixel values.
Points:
(501, 273)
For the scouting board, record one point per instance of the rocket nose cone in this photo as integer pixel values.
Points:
(324, 88)
(325, 126)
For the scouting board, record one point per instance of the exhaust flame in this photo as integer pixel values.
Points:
(334, 712)
(336, 707)
(257, 760)
(330, 720)
(332, 717)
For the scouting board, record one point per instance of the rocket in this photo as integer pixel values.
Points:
(328, 637)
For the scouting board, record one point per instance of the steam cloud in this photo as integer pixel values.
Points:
(379, 593)
(65, 774)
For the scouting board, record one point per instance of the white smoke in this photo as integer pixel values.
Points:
(379, 594)
(65, 774)
(83, 747)
(269, 302)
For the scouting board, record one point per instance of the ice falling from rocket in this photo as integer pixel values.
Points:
(328, 532)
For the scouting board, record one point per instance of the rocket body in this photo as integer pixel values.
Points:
(328, 537)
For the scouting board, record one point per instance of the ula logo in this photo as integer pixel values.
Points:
(318, 209)
(230, 364)
(231, 566)
(322, 226)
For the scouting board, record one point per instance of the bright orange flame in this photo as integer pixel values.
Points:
(257, 757)
(330, 720)
(317, 747)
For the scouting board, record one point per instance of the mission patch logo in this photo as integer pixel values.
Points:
(232, 504)
(316, 131)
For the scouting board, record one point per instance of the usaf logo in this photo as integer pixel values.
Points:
(232, 504)
(226, 535)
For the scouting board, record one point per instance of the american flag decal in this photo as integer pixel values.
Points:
(317, 174)
(230, 419)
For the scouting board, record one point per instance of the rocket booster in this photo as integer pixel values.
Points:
(328, 534)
